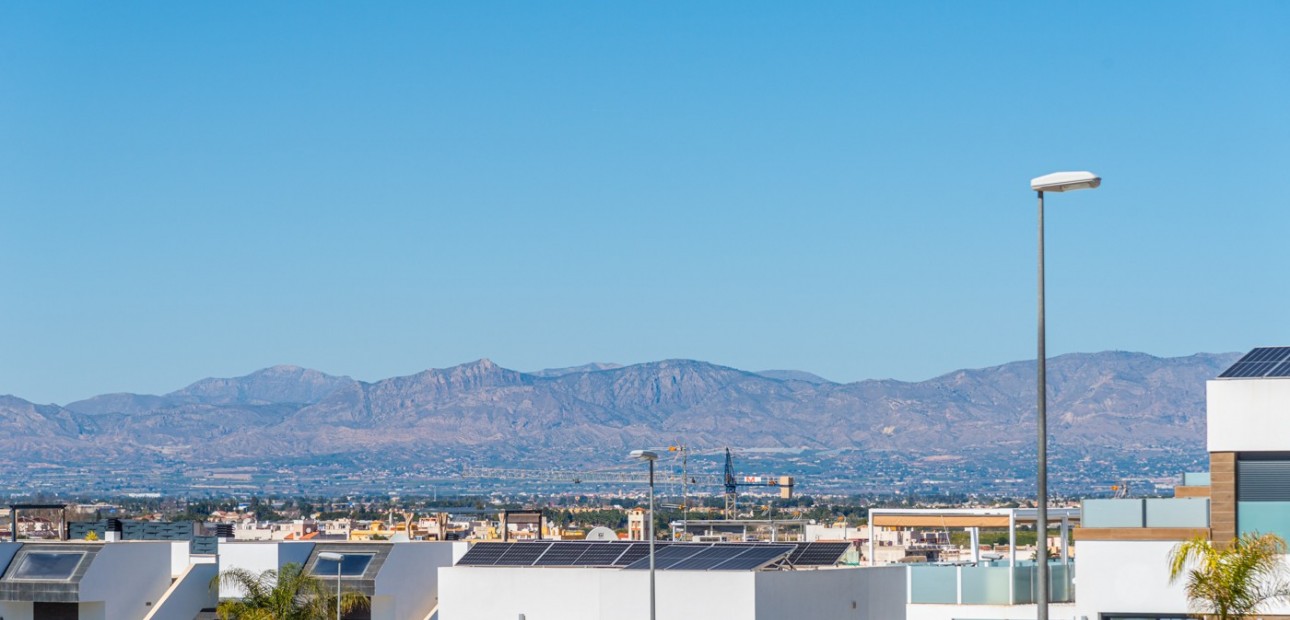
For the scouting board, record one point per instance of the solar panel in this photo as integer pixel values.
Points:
(662, 555)
(635, 555)
(602, 554)
(636, 551)
(483, 554)
(710, 558)
(722, 556)
(667, 556)
(818, 553)
(522, 554)
(1261, 362)
(563, 554)
(756, 557)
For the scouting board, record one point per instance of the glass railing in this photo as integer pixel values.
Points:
(1060, 579)
(933, 584)
(1192, 512)
(987, 585)
(1178, 512)
(1112, 513)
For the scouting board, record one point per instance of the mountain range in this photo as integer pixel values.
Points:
(1109, 403)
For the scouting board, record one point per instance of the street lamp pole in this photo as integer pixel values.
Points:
(338, 558)
(649, 456)
(1041, 503)
(1056, 182)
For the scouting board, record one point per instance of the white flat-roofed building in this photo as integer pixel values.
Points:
(565, 580)
(128, 580)
(1123, 546)
(398, 578)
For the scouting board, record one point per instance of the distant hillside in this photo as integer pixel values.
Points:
(1111, 403)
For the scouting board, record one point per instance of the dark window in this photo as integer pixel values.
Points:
(55, 611)
(47, 566)
(352, 565)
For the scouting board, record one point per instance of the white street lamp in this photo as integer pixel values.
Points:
(338, 558)
(650, 456)
(1055, 182)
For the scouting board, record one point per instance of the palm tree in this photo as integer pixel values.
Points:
(1234, 581)
(288, 594)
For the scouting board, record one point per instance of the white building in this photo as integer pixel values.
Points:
(399, 579)
(1121, 565)
(557, 581)
(152, 580)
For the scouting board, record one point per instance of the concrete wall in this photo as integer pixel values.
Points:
(1248, 415)
(127, 577)
(1125, 576)
(258, 557)
(478, 593)
(92, 611)
(876, 593)
(407, 587)
(16, 610)
(489, 593)
(188, 595)
(179, 557)
(1132, 576)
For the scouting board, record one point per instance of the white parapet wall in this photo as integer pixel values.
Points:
(1118, 576)
(189, 594)
(257, 557)
(1248, 415)
(537, 593)
(127, 578)
(407, 586)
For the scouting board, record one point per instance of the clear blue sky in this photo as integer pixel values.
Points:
(192, 190)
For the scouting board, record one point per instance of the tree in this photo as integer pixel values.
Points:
(288, 594)
(1234, 581)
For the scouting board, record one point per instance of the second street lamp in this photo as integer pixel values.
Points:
(338, 558)
(1055, 182)
(651, 456)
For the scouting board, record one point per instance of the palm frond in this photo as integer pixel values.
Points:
(1236, 581)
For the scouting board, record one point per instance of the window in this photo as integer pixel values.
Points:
(46, 565)
(1263, 493)
(352, 565)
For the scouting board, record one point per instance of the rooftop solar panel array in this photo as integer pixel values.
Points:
(484, 554)
(522, 554)
(667, 555)
(1261, 362)
(566, 554)
(818, 553)
(601, 554)
(717, 557)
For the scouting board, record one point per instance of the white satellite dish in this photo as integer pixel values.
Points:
(601, 533)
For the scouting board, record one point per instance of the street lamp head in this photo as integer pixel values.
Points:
(331, 557)
(644, 455)
(1065, 182)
